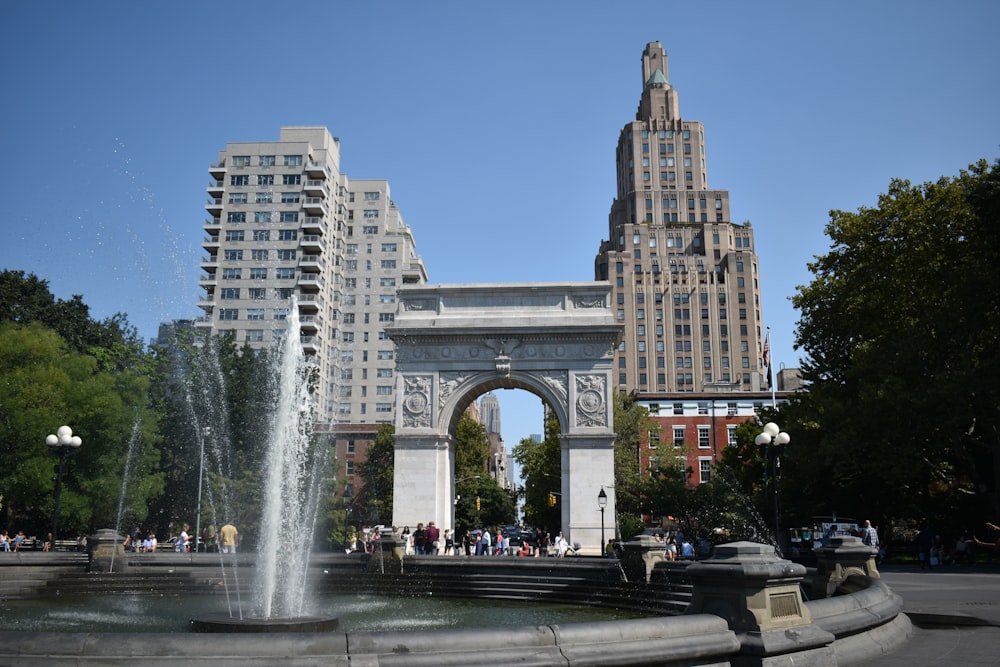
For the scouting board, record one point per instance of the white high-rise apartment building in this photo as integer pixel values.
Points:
(285, 222)
(684, 276)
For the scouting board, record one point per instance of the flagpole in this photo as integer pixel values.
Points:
(768, 363)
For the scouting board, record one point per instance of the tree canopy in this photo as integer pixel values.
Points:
(900, 326)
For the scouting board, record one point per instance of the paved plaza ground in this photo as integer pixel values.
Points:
(956, 611)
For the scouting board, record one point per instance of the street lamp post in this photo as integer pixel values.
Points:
(772, 441)
(602, 502)
(63, 443)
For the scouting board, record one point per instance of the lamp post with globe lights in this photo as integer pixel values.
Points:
(602, 502)
(772, 441)
(63, 443)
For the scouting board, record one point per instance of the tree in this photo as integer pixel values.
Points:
(47, 384)
(632, 422)
(373, 502)
(901, 327)
(541, 464)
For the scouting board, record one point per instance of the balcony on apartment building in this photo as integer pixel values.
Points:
(210, 243)
(310, 324)
(309, 302)
(317, 169)
(214, 206)
(311, 344)
(313, 225)
(217, 171)
(312, 243)
(315, 188)
(313, 205)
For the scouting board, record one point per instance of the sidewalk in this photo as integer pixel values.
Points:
(955, 610)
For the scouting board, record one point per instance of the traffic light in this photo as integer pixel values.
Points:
(552, 500)
(478, 504)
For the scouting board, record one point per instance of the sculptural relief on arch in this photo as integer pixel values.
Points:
(456, 342)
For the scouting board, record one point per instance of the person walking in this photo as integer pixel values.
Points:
(227, 538)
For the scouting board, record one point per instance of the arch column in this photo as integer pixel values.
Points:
(588, 463)
(424, 481)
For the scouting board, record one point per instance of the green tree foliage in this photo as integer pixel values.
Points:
(372, 503)
(47, 383)
(632, 427)
(541, 465)
(900, 326)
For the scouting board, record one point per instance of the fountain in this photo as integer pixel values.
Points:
(291, 499)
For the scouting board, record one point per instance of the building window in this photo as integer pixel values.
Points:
(261, 235)
(230, 292)
(704, 469)
(236, 217)
(286, 254)
(285, 273)
(233, 255)
(290, 197)
(281, 313)
(229, 314)
(384, 355)
(241, 160)
(293, 161)
(704, 437)
(731, 435)
(255, 336)
(383, 407)
(678, 436)
(234, 235)
(258, 273)
(232, 274)
(291, 179)
(262, 216)
(265, 161)
(265, 179)
(256, 293)
(237, 198)
(255, 313)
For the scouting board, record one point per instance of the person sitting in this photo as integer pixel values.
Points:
(525, 549)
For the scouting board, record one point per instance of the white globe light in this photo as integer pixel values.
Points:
(65, 431)
(771, 429)
(75, 441)
(52, 440)
(782, 438)
(762, 439)
(65, 440)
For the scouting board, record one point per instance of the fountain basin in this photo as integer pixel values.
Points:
(229, 624)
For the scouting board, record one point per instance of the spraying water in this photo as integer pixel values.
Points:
(134, 441)
(290, 499)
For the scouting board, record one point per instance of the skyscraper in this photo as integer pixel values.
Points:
(489, 412)
(683, 274)
(285, 222)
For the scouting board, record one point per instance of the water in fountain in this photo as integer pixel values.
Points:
(290, 493)
(134, 441)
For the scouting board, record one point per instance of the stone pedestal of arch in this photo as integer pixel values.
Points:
(456, 342)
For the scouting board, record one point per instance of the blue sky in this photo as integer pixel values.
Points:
(495, 124)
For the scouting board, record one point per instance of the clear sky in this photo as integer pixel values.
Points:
(494, 123)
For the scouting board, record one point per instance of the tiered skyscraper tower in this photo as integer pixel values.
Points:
(683, 274)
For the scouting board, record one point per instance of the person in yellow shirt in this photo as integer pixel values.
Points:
(227, 538)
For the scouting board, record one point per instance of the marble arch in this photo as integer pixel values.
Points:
(455, 342)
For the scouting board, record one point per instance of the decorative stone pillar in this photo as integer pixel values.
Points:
(106, 550)
(758, 594)
(840, 559)
(640, 555)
